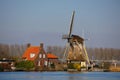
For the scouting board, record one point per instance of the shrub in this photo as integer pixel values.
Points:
(27, 65)
(77, 66)
(71, 66)
(52, 65)
(74, 66)
(1, 68)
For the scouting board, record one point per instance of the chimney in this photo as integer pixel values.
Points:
(41, 45)
(28, 45)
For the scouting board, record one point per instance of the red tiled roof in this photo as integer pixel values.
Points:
(51, 56)
(35, 50)
(32, 49)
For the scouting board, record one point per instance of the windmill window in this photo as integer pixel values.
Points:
(32, 55)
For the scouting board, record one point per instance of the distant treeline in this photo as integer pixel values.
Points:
(93, 53)
(11, 51)
(16, 51)
(103, 53)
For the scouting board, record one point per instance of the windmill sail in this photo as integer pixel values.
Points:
(71, 25)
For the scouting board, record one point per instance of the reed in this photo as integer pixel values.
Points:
(114, 69)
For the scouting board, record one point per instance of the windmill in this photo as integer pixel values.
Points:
(75, 48)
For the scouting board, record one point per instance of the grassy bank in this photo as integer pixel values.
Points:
(115, 69)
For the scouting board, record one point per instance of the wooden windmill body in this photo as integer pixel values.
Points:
(75, 48)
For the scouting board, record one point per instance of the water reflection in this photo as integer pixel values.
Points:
(59, 76)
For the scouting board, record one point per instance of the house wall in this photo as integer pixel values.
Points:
(41, 60)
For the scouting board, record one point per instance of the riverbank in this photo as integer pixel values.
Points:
(114, 69)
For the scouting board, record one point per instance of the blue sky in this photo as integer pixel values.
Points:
(36, 21)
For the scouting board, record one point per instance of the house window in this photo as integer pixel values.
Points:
(45, 63)
(32, 55)
(40, 55)
(43, 55)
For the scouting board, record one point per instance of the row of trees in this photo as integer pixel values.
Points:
(103, 53)
(12, 51)
(93, 53)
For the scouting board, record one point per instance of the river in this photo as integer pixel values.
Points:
(59, 75)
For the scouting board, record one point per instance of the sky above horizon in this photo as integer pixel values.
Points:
(36, 21)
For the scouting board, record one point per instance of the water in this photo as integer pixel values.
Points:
(59, 76)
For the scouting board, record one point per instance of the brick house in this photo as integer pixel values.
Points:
(39, 56)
